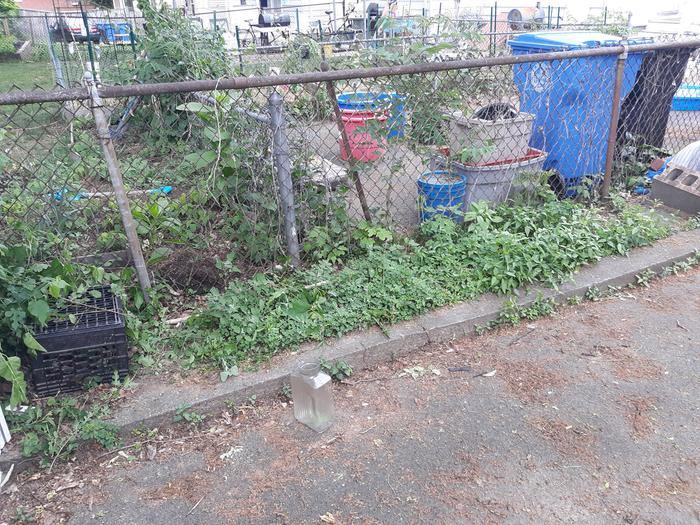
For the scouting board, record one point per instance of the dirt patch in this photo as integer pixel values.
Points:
(190, 488)
(569, 439)
(673, 489)
(627, 364)
(188, 269)
(528, 381)
(637, 414)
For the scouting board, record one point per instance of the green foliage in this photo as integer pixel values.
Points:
(185, 414)
(40, 52)
(574, 300)
(635, 160)
(7, 45)
(693, 223)
(644, 278)
(512, 313)
(55, 428)
(8, 8)
(612, 23)
(338, 370)
(23, 515)
(174, 48)
(178, 48)
(31, 293)
(497, 250)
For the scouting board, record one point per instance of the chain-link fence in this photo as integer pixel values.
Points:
(261, 40)
(217, 179)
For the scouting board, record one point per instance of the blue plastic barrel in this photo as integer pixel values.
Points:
(441, 192)
(397, 117)
(572, 99)
(393, 102)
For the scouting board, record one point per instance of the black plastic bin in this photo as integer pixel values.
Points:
(92, 347)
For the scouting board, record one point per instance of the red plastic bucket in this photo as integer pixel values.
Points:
(366, 135)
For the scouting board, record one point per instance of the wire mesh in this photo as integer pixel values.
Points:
(204, 171)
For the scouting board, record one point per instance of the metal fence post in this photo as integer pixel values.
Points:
(614, 117)
(354, 175)
(57, 69)
(283, 169)
(115, 176)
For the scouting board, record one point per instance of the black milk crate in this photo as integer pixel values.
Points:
(91, 348)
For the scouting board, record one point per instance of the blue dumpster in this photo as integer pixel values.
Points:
(106, 32)
(572, 100)
(123, 34)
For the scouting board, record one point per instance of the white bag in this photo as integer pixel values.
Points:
(4, 431)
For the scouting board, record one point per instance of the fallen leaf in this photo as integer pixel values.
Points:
(489, 374)
(378, 442)
(327, 518)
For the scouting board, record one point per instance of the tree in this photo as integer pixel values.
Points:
(8, 8)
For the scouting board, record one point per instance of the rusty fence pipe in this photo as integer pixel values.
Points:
(614, 117)
(115, 176)
(352, 162)
(189, 86)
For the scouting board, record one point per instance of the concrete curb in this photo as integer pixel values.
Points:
(156, 406)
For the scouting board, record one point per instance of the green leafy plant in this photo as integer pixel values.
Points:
(339, 370)
(23, 515)
(185, 414)
(227, 371)
(498, 249)
(7, 45)
(31, 293)
(55, 428)
(644, 278)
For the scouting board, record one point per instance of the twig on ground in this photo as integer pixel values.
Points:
(370, 380)
(367, 429)
(195, 506)
(679, 325)
(518, 338)
(177, 320)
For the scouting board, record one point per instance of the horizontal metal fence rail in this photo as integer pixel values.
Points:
(324, 76)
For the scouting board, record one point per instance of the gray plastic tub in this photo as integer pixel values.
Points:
(503, 139)
(492, 183)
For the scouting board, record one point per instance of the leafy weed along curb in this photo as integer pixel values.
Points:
(497, 250)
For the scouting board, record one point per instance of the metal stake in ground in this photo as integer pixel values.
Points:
(283, 168)
(354, 172)
(614, 117)
(115, 176)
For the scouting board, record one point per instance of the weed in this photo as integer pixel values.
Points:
(54, 429)
(574, 300)
(23, 515)
(227, 371)
(286, 391)
(692, 223)
(503, 248)
(512, 313)
(185, 414)
(644, 278)
(593, 294)
(338, 370)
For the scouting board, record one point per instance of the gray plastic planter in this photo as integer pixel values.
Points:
(505, 139)
(493, 183)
